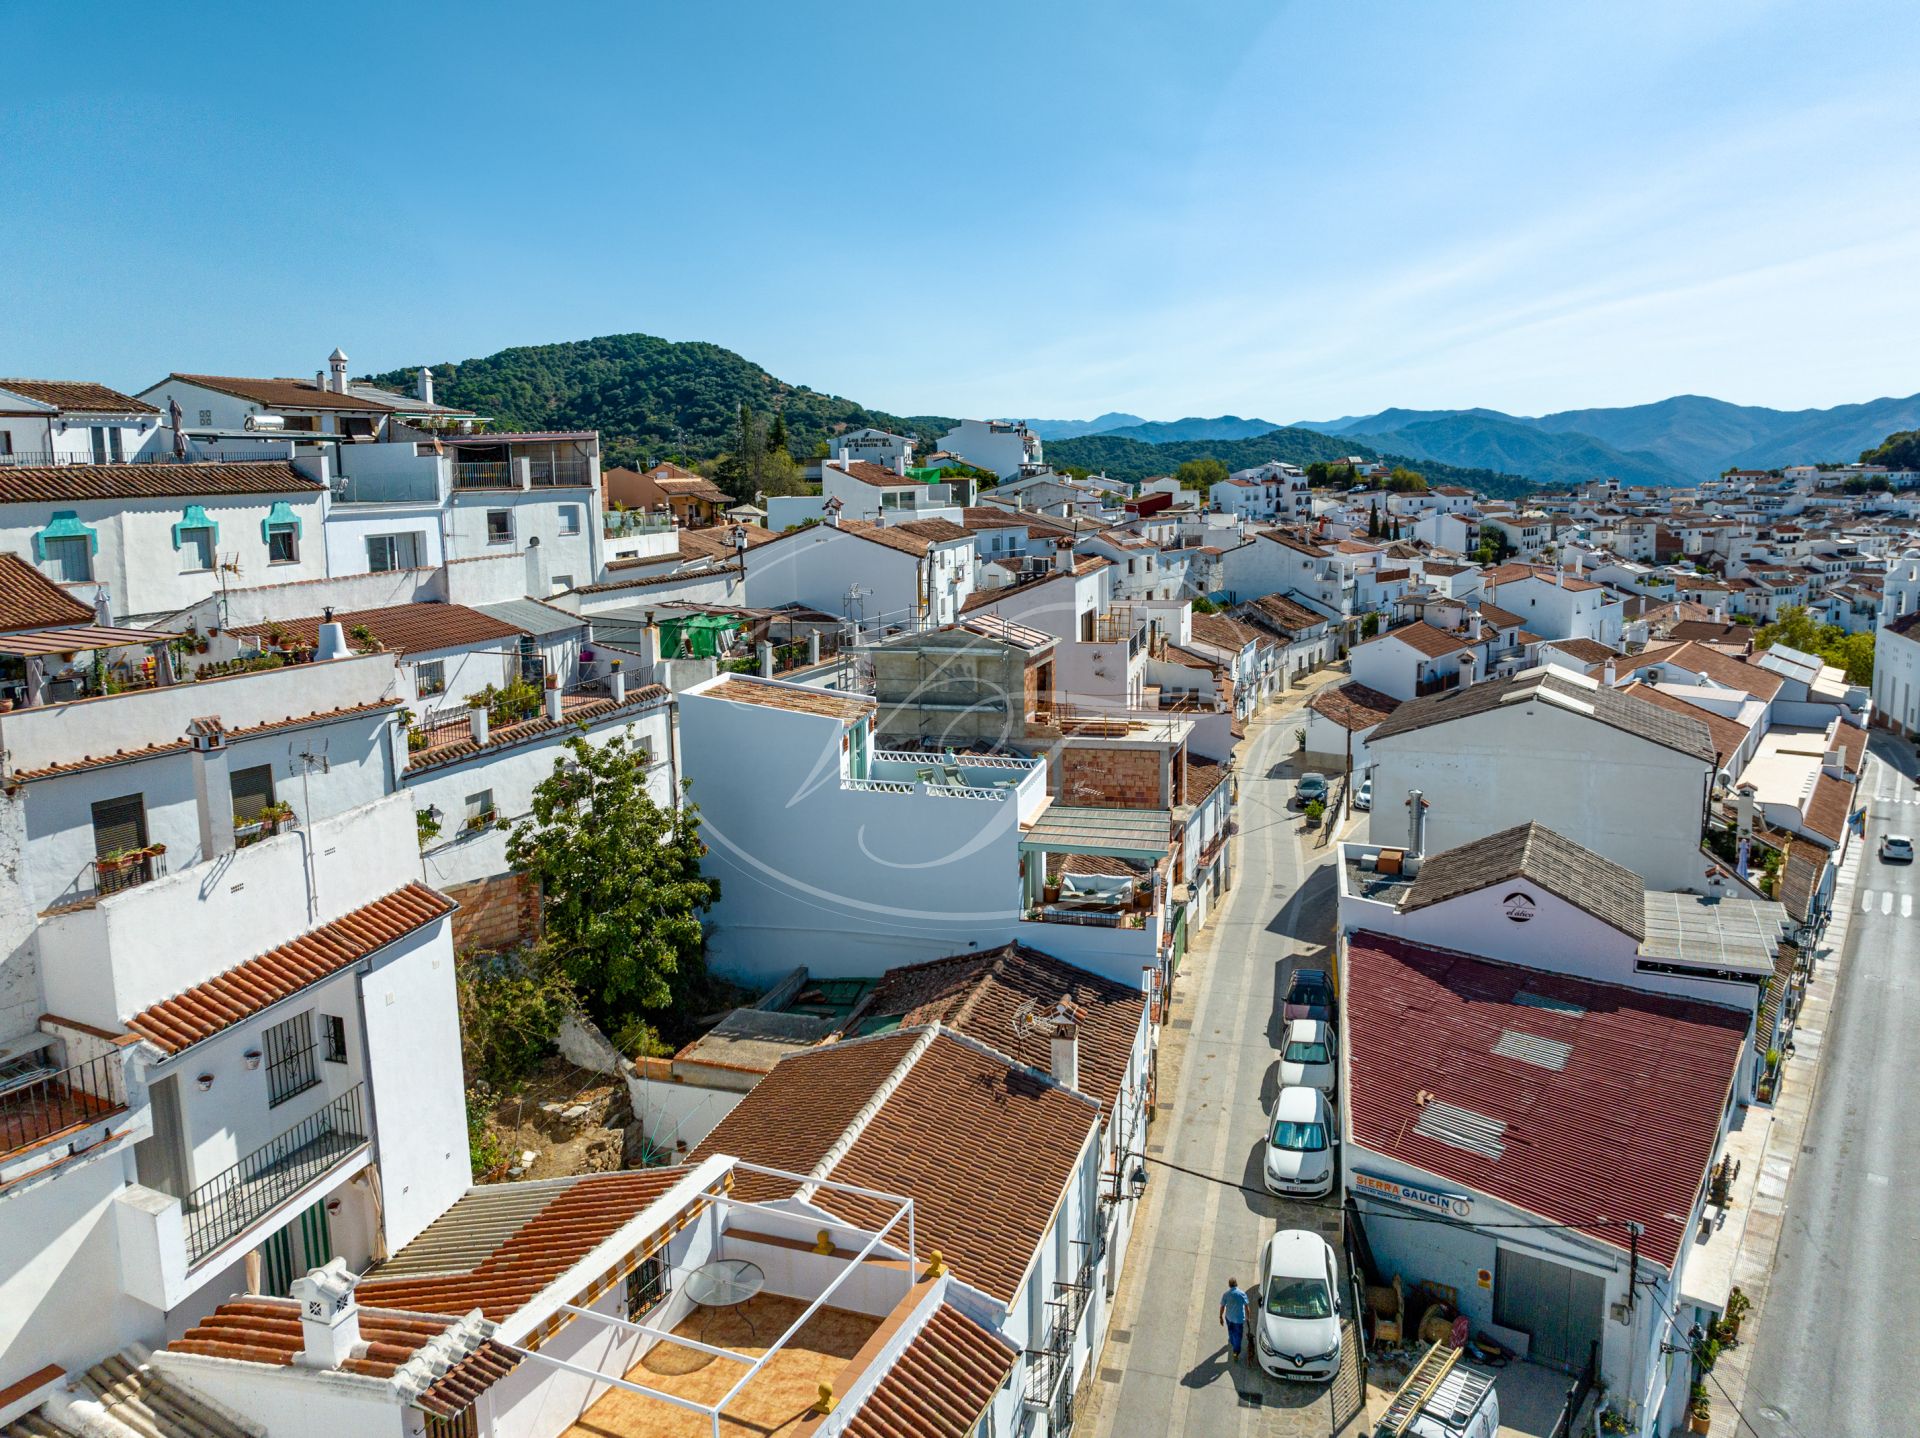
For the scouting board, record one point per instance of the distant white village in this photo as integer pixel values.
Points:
(284, 661)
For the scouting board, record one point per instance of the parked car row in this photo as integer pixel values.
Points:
(1297, 1333)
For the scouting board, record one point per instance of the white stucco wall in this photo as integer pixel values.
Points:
(1625, 798)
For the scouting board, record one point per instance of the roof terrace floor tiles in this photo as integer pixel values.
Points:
(776, 1402)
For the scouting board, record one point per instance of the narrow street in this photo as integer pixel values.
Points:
(1166, 1367)
(1833, 1351)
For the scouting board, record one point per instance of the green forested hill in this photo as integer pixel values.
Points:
(650, 398)
(1897, 451)
(1136, 459)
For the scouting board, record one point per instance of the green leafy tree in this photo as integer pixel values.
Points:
(1201, 474)
(1797, 629)
(1401, 480)
(1373, 522)
(620, 876)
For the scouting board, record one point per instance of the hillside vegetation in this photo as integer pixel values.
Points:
(1135, 459)
(1896, 451)
(650, 398)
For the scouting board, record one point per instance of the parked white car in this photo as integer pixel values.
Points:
(1896, 849)
(1307, 1059)
(1297, 1332)
(1300, 1144)
(1363, 796)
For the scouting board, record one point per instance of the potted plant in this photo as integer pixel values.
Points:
(428, 823)
(1738, 1306)
(1699, 1411)
(252, 1057)
(1612, 1421)
(480, 821)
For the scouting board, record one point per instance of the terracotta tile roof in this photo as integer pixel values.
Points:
(1827, 810)
(1111, 865)
(915, 537)
(1728, 735)
(1624, 1130)
(955, 1106)
(180, 746)
(1721, 668)
(801, 1109)
(400, 628)
(30, 600)
(693, 486)
(1500, 618)
(41, 484)
(517, 1264)
(1587, 651)
(70, 394)
(1852, 743)
(877, 475)
(209, 1008)
(940, 1385)
(1283, 615)
(1224, 633)
(1611, 892)
(298, 394)
(267, 1331)
(978, 994)
(1353, 705)
(507, 736)
(713, 542)
(743, 689)
(1088, 563)
(981, 598)
(1428, 639)
(1203, 777)
(961, 1110)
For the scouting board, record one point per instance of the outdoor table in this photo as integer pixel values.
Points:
(725, 1283)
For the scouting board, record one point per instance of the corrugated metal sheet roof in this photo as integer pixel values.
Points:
(1623, 1132)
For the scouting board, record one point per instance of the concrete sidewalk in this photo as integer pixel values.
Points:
(1768, 1144)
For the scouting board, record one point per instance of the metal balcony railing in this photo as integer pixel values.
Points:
(231, 1202)
(1048, 1364)
(559, 471)
(483, 474)
(39, 458)
(130, 870)
(40, 1105)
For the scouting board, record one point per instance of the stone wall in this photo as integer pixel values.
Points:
(495, 914)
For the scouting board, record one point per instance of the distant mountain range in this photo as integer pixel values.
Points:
(1165, 431)
(1135, 459)
(1674, 442)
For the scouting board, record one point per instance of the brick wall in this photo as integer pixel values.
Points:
(1110, 778)
(495, 914)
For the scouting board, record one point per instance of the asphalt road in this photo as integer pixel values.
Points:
(1165, 1369)
(1838, 1337)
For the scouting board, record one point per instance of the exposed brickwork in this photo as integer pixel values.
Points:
(1110, 778)
(495, 914)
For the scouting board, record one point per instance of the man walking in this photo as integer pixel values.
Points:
(1233, 1313)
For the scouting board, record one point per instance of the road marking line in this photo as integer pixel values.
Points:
(1886, 903)
(1906, 906)
(1866, 902)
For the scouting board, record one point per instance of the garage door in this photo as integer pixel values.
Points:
(1559, 1308)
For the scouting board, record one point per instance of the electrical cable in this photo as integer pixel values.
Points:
(1693, 1352)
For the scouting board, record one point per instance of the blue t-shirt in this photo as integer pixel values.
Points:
(1235, 1300)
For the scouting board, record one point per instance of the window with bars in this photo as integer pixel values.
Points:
(336, 1032)
(290, 1069)
(252, 792)
(646, 1286)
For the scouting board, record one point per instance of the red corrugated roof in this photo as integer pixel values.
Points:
(1624, 1131)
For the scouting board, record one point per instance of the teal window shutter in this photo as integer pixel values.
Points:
(195, 517)
(281, 513)
(64, 525)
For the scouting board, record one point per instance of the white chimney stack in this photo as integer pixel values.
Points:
(332, 643)
(1610, 674)
(337, 362)
(423, 388)
(329, 1318)
(1065, 1045)
(553, 698)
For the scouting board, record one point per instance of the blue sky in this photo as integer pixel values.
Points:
(1289, 210)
